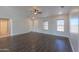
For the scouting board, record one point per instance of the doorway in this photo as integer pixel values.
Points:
(4, 27)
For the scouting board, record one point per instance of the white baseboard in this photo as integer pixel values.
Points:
(19, 33)
(71, 45)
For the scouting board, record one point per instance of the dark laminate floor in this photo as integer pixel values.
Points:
(35, 42)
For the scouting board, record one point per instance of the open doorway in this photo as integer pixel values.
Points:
(4, 27)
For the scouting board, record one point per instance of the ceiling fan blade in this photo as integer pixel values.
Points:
(40, 12)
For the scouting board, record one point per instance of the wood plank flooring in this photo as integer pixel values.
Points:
(35, 42)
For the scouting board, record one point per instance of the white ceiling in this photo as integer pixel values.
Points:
(46, 10)
(51, 10)
(55, 10)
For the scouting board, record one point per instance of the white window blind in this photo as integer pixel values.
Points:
(74, 23)
(60, 25)
(45, 25)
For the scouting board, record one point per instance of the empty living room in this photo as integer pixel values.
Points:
(39, 28)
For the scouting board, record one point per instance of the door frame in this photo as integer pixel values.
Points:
(8, 27)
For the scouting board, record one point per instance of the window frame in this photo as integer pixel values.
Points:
(45, 26)
(60, 25)
(73, 32)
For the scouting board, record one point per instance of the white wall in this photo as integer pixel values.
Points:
(74, 39)
(40, 25)
(22, 24)
(17, 18)
(19, 26)
(66, 26)
(53, 26)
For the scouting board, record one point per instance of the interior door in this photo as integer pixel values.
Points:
(4, 27)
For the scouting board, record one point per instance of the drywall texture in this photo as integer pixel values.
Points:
(53, 25)
(21, 23)
(74, 38)
(17, 16)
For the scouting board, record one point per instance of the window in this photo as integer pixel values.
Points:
(60, 25)
(74, 25)
(45, 25)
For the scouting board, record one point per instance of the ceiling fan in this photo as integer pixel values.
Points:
(36, 11)
(61, 6)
